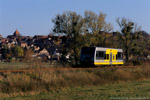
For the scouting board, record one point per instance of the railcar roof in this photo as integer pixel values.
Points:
(107, 48)
(103, 48)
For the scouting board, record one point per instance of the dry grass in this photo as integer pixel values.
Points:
(12, 84)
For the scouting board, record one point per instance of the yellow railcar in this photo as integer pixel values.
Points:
(101, 56)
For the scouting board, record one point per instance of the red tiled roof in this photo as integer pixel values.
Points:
(22, 42)
(41, 36)
(16, 32)
(5, 39)
(1, 36)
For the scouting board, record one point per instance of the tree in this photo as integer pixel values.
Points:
(89, 30)
(129, 33)
(70, 24)
(139, 44)
(18, 52)
(6, 53)
(28, 55)
(97, 28)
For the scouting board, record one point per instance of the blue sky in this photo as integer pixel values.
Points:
(33, 17)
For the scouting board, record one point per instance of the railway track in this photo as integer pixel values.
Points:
(62, 69)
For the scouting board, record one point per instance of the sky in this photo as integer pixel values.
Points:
(34, 17)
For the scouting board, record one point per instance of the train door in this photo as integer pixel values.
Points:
(114, 53)
(107, 56)
(113, 57)
(110, 57)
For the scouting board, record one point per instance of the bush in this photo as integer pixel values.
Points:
(134, 62)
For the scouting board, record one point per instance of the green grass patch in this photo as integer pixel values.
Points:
(126, 90)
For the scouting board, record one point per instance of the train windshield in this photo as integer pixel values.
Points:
(87, 53)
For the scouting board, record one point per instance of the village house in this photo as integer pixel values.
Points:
(23, 44)
(4, 41)
(43, 52)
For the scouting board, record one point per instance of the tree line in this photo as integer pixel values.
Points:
(93, 30)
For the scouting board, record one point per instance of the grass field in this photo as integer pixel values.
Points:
(23, 65)
(77, 84)
(123, 91)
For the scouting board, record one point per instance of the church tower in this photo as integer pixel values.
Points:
(16, 33)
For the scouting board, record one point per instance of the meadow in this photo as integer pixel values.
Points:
(74, 83)
(135, 90)
(23, 65)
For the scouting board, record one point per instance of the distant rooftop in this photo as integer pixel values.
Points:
(57, 34)
(16, 33)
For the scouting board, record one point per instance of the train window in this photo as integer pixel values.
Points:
(99, 55)
(119, 55)
(106, 57)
